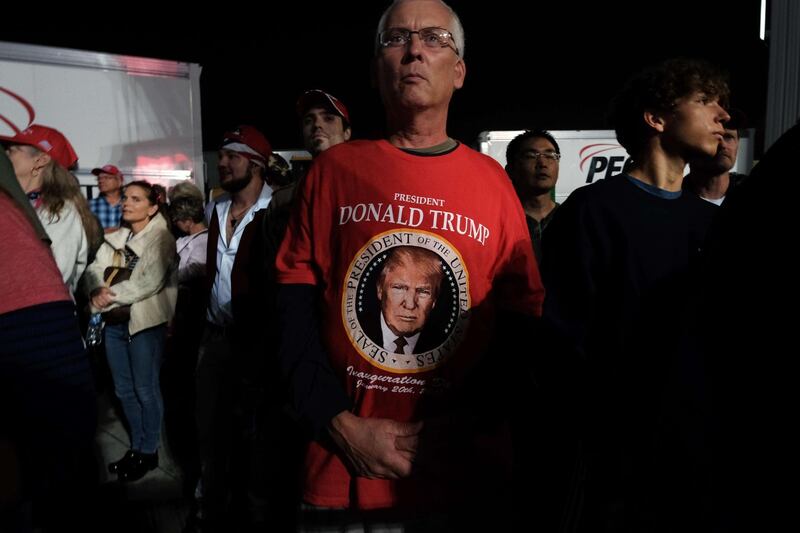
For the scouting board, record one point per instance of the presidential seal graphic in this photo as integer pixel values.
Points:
(406, 301)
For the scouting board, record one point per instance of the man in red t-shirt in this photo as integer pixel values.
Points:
(406, 434)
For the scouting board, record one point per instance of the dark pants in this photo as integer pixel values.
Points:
(238, 432)
(48, 412)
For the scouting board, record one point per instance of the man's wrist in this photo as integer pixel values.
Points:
(339, 423)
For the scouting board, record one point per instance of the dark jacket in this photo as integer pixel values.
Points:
(253, 286)
(748, 338)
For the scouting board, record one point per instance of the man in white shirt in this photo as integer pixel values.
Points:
(245, 229)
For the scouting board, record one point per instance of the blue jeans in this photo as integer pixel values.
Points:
(135, 364)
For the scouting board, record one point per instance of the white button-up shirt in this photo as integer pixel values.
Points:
(220, 311)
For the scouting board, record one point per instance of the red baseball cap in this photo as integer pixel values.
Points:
(318, 97)
(48, 140)
(249, 142)
(107, 169)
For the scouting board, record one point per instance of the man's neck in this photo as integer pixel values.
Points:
(420, 130)
(112, 197)
(712, 187)
(249, 195)
(661, 170)
(196, 228)
(539, 206)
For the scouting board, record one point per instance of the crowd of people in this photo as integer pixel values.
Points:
(408, 337)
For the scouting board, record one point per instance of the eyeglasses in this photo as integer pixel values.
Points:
(430, 37)
(550, 156)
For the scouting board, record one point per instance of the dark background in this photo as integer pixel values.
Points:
(553, 65)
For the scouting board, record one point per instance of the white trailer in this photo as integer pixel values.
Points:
(140, 114)
(590, 155)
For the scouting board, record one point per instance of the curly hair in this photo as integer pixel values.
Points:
(184, 189)
(187, 208)
(659, 88)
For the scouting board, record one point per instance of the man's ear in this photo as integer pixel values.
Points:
(348, 132)
(510, 171)
(655, 119)
(461, 73)
(373, 73)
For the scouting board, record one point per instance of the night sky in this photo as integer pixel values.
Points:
(552, 65)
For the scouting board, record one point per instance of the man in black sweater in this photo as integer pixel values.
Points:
(618, 266)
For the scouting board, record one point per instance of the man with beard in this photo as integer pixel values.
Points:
(245, 228)
(532, 164)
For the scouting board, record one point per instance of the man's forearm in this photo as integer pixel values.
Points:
(315, 393)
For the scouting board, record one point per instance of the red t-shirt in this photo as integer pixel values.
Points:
(29, 272)
(453, 237)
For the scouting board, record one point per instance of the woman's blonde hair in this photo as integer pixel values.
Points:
(58, 186)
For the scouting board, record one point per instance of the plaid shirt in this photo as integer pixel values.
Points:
(108, 215)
